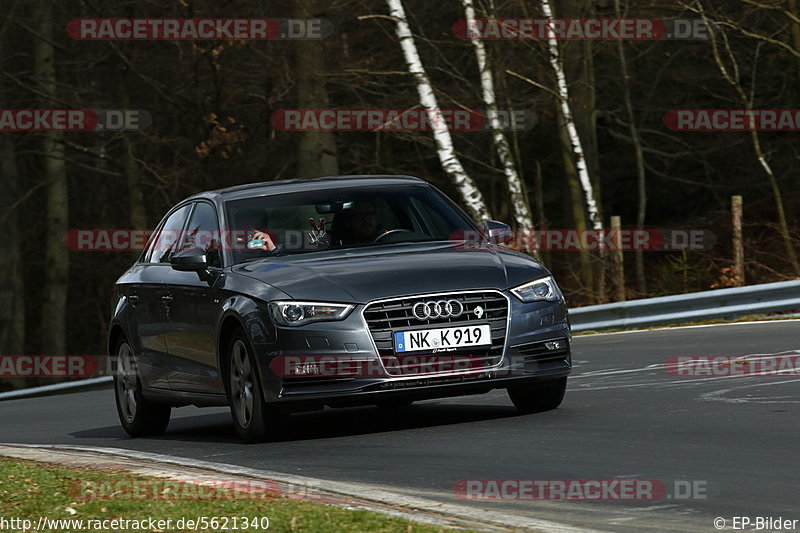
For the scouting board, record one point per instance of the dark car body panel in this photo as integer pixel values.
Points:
(177, 326)
(361, 275)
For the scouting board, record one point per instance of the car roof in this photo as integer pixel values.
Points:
(250, 190)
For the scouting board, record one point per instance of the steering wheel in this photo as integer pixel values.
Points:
(386, 233)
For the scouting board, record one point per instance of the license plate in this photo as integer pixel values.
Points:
(437, 339)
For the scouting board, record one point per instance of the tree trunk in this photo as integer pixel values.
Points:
(471, 195)
(133, 179)
(577, 207)
(578, 64)
(569, 123)
(641, 203)
(519, 202)
(130, 168)
(541, 218)
(12, 302)
(732, 76)
(316, 150)
(578, 152)
(54, 304)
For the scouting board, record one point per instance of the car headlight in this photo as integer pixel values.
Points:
(542, 289)
(290, 313)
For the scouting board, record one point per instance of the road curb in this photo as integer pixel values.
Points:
(349, 495)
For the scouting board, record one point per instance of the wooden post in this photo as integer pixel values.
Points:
(738, 247)
(617, 263)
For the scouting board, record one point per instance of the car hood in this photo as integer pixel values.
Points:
(365, 274)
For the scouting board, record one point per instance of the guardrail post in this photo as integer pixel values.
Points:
(617, 262)
(738, 246)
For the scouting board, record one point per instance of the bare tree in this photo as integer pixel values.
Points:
(641, 191)
(567, 120)
(569, 123)
(519, 202)
(130, 166)
(12, 301)
(471, 195)
(54, 304)
(316, 151)
(720, 46)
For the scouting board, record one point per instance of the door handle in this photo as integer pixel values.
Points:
(166, 299)
(133, 299)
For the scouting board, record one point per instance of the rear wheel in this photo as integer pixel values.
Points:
(538, 397)
(139, 417)
(255, 420)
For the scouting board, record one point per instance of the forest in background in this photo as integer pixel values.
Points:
(211, 103)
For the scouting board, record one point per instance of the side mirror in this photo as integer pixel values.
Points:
(189, 261)
(498, 232)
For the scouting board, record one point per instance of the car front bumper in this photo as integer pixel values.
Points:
(537, 348)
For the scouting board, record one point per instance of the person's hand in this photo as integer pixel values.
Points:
(263, 236)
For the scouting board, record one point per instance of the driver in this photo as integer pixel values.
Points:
(357, 225)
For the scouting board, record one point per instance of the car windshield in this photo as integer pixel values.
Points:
(339, 218)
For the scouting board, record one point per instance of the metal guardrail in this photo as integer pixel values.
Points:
(719, 303)
(55, 387)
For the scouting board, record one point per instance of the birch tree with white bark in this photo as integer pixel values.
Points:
(471, 195)
(569, 122)
(520, 207)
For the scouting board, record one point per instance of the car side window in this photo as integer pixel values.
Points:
(163, 243)
(203, 233)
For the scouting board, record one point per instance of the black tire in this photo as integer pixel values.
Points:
(536, 398)
(394, 404)
(255, 421)
(139, 417)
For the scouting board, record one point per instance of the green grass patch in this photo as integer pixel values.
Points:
(30, 490)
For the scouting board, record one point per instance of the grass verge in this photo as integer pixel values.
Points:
(30, 491)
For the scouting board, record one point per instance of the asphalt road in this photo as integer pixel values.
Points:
(624, 416)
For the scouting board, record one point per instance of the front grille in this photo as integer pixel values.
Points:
(386, 318)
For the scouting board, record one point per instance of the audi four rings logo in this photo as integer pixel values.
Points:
(440, 309)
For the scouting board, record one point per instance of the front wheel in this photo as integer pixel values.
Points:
(139, 417)
(255, 420)
(539, 397)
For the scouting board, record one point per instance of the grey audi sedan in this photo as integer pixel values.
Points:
(287, 296)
